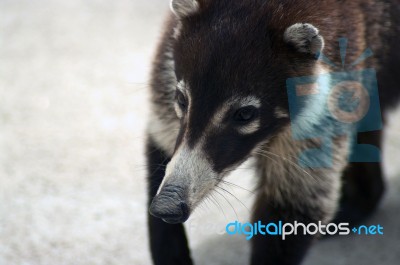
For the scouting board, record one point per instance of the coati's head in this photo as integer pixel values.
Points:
(232, 60)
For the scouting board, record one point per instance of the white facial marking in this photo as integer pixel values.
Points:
(250, 128)
(250, 101)
(220, 114)
(184, 8)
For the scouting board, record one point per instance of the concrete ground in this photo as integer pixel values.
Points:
(73, 107)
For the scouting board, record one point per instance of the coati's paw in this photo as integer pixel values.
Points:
(305, 38)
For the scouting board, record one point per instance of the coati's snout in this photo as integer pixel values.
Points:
(189, 178)
(170, 205)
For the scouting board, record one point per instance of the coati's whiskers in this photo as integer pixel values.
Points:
(217, 203)
(264, 152)
(222, 195)
(219, 187)
(236, 186)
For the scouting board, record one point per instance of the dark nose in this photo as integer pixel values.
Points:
(169, 205)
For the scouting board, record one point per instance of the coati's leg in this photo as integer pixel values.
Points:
(168, 242)
(363, 185)
(272, 250)
(289, 193)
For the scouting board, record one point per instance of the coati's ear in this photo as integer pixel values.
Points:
(185, 8)
(305, 38)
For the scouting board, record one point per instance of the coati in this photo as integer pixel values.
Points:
(219, 96)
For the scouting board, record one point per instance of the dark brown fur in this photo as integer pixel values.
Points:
(227, 45)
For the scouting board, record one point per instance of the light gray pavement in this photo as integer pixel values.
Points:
(73, 107)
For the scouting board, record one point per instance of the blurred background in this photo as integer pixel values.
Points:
(73, 108)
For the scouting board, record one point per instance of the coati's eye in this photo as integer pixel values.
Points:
(246, 114)
(181, 99)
